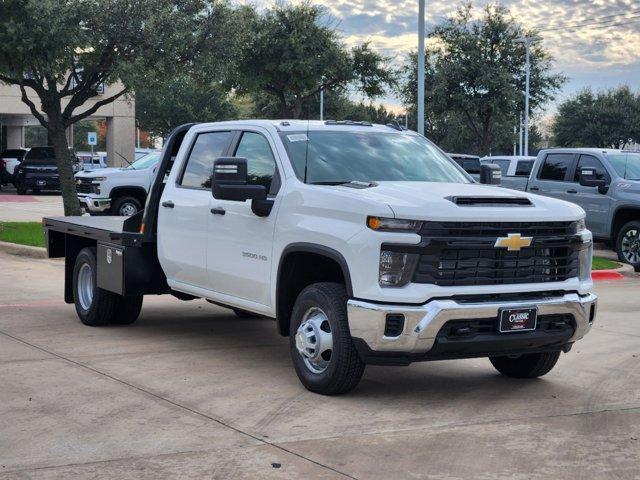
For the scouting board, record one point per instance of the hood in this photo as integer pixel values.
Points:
(435, 201)
(99, 172)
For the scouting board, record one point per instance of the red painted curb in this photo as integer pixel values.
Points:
(606, 275)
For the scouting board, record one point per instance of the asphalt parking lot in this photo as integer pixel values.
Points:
(191, 391)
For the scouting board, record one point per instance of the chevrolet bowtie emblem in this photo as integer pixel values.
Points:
(513, 242)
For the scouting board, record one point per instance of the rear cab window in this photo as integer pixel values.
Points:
(206, 148)
(556, 166)
(524, 167)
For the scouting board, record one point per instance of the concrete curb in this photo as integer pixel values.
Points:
(23, 250)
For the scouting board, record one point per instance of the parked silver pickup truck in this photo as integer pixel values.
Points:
(605, 183)
(515, 170)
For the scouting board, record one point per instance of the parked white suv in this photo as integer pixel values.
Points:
(117, 191)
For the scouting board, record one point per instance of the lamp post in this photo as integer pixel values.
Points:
(421, 34)
(322, 100)
(527, 41)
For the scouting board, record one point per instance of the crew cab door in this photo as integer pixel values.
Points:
(596, 204)
(185, 209)
(552, 178)
(240, 247)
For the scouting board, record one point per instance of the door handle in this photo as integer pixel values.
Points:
(218, 211)
(168, 204)
(535, 189)
(572, 191)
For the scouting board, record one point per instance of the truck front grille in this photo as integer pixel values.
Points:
(455, 254)
(83, 185)
(450, 267)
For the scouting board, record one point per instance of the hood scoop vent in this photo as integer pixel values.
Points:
(491, 201)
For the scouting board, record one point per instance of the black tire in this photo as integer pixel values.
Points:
(345, 368)
(125, 202)
(35, 191)
(532, 365)
(620, 247)
(128, 310)
(244, 314)
(104, 304)
(21, 190)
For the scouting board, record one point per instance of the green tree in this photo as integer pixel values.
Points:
(63, 50)
(604, 120)
(293, 51)
(165, 104)
(475, 78)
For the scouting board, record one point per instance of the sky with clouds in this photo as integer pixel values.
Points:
(601, 55)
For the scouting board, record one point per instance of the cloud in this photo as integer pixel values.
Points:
(609, 49)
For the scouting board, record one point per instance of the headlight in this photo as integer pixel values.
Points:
(98, 179)
(96, 189)
(393, 225)
(396, 268)
(578, 226)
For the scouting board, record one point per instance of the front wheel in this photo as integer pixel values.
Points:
(126, 206)
(21, 190)
(628, 243)
(531, 365)
(322, 350)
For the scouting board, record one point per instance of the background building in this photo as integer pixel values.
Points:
(15, 118)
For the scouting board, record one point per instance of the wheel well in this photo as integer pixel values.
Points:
(622, 217)
(298, 270)
(136, 192)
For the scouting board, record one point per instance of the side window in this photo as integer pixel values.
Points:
(555, 166)
(504, 166)
(588, 161)
(261, 165)
(206, 148)
(523, 168)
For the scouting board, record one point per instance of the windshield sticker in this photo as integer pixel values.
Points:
(298, 137)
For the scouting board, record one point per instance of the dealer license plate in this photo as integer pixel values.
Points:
(518, 319)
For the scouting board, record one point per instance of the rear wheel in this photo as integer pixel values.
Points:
(126, 206)
(628, 243)
(95, 306)
(532, 365)
(322, 350)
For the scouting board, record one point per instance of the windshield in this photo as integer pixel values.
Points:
(335, 157)
(147, 161)
(626, 164)
(40, 156)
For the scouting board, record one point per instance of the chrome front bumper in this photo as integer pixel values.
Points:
(423, 322)
(94, 205)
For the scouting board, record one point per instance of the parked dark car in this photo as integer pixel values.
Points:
(9, 160)
(38, 171)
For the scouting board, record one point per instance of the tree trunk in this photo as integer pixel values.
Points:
(57, 133)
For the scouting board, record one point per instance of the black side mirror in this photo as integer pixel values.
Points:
(588, 178)
(229, 182)
(490, 174)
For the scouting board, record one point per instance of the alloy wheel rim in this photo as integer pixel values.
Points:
(314, 340)
(85, 286)
(128, 209)
(631, 246)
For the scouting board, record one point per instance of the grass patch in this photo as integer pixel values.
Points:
(600, 263)
(24, 233)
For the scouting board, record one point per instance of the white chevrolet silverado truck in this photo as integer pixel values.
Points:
(365, 243)
(117, 191)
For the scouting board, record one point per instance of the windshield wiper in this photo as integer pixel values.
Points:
(350, 183)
